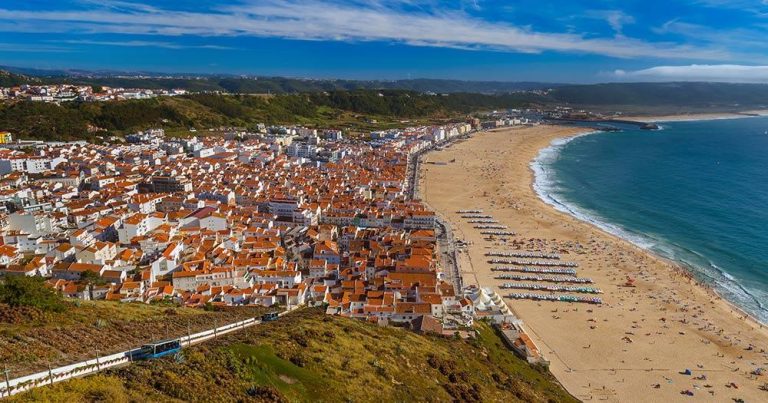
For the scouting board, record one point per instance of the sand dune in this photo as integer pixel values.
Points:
(634, 346)
(698, 116)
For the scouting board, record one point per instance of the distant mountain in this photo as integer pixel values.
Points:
(452, 86)
(274, 85)
(349, 104)
(8, 79)
(34, 72)
(678, 94)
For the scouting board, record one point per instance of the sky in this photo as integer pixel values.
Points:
(579, 41)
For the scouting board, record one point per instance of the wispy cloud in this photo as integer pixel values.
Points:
(142, 44)
(750, 36)
(758, 7)
(616, 19)
(351, 20)
(26, 48)
(698, 72)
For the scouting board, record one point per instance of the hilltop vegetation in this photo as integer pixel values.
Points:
(359, 106)
(262, 85)
(354, 110)
(685, 94)
(23, 291)
(308, 356)
(31, 336)
(619, 95)
(283, 85)
(8, 79)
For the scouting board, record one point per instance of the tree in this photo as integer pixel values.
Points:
(91, 278)
(29, 291)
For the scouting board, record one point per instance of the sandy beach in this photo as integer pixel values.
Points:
(697, 116)
(635, 345)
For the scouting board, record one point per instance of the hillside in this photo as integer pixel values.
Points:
(337, 104)
(355, 110)
(284, 85)
(31, 338)
(264, 85)
(676, 94)
(308, 356)
(8, 79)
(626, 95)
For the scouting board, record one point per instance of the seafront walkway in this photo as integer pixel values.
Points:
(447, 244)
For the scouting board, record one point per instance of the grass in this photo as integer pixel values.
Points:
(30, 339)
(203, 116)
(266, 368)
(308, 356)
(97, 388)
(79, 312)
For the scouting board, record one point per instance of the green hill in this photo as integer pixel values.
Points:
(355, 110)
(343, 104)
(264, 85)
(32, 338)
(308, 356)
(688, 94)
(8, 79)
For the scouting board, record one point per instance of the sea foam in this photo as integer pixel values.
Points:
(548, 189)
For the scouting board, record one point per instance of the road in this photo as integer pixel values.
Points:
(446, 242)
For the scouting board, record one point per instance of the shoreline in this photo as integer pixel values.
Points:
(693, 117)
(663, 317)
(539, 184)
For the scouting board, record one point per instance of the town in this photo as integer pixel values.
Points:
(84, 93)
(286, 217)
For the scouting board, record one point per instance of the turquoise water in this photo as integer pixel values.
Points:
(695, 192)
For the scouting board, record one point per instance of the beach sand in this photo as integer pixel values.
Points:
(697, 116)
(640, 336)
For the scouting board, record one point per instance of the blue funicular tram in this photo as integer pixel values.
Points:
(157, 349)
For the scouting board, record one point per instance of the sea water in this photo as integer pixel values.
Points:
(695, 192)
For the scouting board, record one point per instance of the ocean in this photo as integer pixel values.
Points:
(695, 192)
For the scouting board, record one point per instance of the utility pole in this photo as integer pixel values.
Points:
(7, 380)
(189, 333)
(98, 364)
(50, 373)
(215, 328)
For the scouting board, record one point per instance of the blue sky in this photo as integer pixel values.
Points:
(558, 41)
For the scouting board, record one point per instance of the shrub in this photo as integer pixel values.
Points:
(19, 291)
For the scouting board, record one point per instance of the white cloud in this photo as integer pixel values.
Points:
(698, 72)
(616, 19)
(152, 44)
(749, 36)
(26, 48)
(346, 21)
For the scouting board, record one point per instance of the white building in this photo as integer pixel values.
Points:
(301, 150)
(32, 165)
